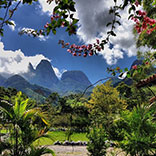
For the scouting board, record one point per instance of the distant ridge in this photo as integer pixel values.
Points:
(44, 77)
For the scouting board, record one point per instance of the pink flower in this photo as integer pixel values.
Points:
(84, 55)
(63, 24)
(146, 62)
(149, 31)
(80, 48)
(74, 54)
(136, 3)
(46, 26)
(52, 18)
(83, 46)
(97, 40)
(134, 67)
(69, 50)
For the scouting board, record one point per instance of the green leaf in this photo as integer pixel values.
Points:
(102, 46)
(75, 21)
(71, 16)
(112, 33)
(118, 22)
(54, 31)
(108, 24)
(48, 30)
(126, 69)
(130, 16)
(9, 22)
(128, 75)
(72, 8)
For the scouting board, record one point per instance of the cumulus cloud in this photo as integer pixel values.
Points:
(94, 15)
(15, 62)
(12, 27)
(46, 7)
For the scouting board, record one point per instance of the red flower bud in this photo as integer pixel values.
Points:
(74, 54)
(134, 67)
(85, 54)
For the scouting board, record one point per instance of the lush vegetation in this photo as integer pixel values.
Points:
(123, 117)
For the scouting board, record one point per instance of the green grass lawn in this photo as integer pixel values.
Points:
(61, 136)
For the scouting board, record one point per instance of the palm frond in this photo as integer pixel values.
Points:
(23, 106)
(36, 112)
(7, 108)
(41, 151)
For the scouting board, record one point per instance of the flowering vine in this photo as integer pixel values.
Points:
(143, 22)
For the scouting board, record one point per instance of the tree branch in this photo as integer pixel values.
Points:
(6, 13)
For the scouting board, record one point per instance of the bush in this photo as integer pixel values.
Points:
(137, 131)
(97, 142)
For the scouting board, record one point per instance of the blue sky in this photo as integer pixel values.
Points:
(16, 51)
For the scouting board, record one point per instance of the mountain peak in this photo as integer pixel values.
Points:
(76, 75)
(45, 75)
(43, 63)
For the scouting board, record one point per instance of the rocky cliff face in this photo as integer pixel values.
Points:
(43, 75)
(73, 82)
(77, 76)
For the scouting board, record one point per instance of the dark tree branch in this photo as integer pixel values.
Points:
(6, 13)
(94, 84)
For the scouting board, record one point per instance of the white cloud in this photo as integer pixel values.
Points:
(12, 27)
(58, 72)
(46, 7)
(43, 38)
(112, 55)
(94, 15)
(15, 62)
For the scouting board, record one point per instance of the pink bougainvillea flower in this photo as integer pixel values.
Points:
(97, 40)
(134, 67)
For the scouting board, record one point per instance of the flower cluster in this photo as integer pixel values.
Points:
(82, 50)
(54, 17)
(144, 23)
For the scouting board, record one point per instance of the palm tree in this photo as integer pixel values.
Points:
(25, 125)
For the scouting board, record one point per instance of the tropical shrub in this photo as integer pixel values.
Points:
(24, 125)
(97, 142)
(137, 131)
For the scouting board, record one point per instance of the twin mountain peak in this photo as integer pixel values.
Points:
(44, 76)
